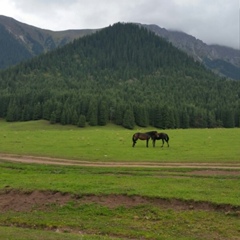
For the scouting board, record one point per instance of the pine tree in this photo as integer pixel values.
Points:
(128, 119)
(93, 113)
(102, 113)
(228, 120)
(82, 121)
(37, 113)
(12, 112)
(157, 121)
(74, 118)
(184, 120)
(118, 115)
(141, 116)
(53, 118)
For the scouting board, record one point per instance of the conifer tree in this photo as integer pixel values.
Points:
(118, 115)
(93, 113)
(82, 121)
(128, 119)
(12, 112)
(37, 113)
(102, 113)
(53, 118)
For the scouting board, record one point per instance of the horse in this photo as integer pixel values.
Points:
(152, 134)
(143, 136)
(163, 136)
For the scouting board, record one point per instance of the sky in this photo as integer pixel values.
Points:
(212, 21)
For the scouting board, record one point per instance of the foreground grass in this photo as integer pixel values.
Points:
(114, 143)
(145, 221)
(164, 183)
(111, 143)
(142, 222)
(10, 233)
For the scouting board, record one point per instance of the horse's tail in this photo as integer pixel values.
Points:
(167, 138)
(134, 139)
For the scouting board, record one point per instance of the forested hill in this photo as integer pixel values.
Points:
(122, 74)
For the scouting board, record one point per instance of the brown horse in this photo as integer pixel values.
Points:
(143, 136)
(163, 136)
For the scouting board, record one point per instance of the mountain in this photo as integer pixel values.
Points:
(20, 41)
(222, 60)
(123, 74)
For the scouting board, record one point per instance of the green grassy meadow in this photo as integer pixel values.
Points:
(94, 220)
(114, 143)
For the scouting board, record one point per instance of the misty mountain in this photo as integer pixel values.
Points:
(20, 41)
(222, 60)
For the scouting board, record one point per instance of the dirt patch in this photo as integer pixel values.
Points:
(211, 172)
(114, 201)
(15, 200)
(69, 162)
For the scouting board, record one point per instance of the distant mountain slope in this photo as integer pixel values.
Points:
(223, 60)
(123, 74)
(11, 50)
(19, 41)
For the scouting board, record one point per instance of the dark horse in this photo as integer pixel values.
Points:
(143, 136)
(163, 136)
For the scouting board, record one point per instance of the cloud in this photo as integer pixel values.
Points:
(210, 21)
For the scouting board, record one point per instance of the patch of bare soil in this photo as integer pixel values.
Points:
(15, 200)
(211, 172)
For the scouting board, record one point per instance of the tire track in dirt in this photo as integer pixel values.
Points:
(70, 162)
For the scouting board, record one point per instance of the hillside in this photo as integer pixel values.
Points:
(20, 41)
(123, 74)
(222, 60)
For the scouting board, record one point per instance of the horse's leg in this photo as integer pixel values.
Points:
(162, 142)
(154, 141)
(147, 142)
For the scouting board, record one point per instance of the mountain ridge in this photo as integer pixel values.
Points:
(33, 41)
(200, 51)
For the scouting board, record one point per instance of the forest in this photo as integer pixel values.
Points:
(123, 74)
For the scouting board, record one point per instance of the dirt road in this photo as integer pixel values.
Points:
(58, 161)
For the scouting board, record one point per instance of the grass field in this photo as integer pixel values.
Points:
(114, 143)
(78, 202)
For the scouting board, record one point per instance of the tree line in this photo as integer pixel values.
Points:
(123, 74)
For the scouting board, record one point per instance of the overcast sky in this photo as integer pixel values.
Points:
(212, 21)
